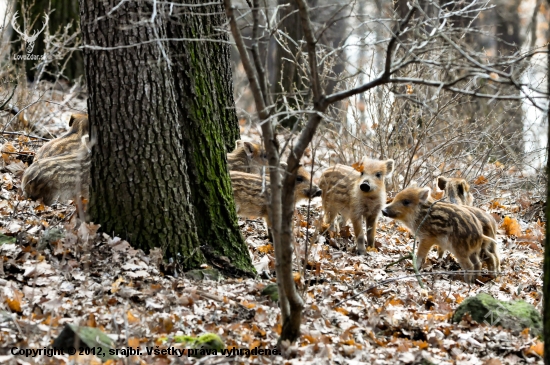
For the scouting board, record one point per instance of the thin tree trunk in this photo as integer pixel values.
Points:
(509, 32)
(65, 12)
(546, 281)
(160, 121)
(287, 79)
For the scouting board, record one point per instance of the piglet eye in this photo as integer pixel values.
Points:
(299, 179)
(379, 175)
(406, 202)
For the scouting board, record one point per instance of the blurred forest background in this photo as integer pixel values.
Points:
(427, 130)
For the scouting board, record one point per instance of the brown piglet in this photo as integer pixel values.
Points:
(59, 178)
(449, 226)
(68, 143)
(247, 157)
(458, 191)
(357, 196)
(252, 192)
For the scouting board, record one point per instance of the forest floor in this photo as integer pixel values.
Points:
(357, 311)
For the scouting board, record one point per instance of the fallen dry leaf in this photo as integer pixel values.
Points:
(511, 226)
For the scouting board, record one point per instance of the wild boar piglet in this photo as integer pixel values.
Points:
(452, 227)
(456, 189)
(58, 178)
(357, 196)
(458, 192)
(68, 143)
(252, 192)
(247, 157)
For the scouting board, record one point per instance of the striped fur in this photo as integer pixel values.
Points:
(356, 196)
(247, 157)
(452, 227)
(69, 142)
(252, 192)
(458, 191)
(59, 178)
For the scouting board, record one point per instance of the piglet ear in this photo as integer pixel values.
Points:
(465, 186)
(249, 149)
(73, 118)
(238, 144)
(389, 167)
(424, 194)
(441, 182)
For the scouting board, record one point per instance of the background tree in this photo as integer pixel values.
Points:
(63, 18)
(161, 117)
(287, 75)
(286, 78)
(546, 281)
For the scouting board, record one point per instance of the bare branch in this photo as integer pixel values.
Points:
(256, 54)
(311, 42)
(333, 98)
(250, 74)
(394, 38)
(382, 79)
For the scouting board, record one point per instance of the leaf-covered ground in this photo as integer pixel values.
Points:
(56, 271)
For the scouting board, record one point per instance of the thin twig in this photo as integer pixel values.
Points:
(304, 274)
(24, 134)
(403, 258)
(392, 280)
(3, 106)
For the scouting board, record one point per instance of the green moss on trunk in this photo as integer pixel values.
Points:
(161, 125)
(209, 127)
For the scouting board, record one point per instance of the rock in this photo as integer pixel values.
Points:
(73, 338)
(272, 291)
(207, 341)
(210, 341)
(199, 275)
(515, 315)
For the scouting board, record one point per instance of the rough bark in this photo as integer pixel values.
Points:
(202, 71)
(546, 281)
(160, 120)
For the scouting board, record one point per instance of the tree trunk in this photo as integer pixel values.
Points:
(504, 38)
(546, 281)
(160, 117)
(509, 32)
(202, 72)
(287, 79)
